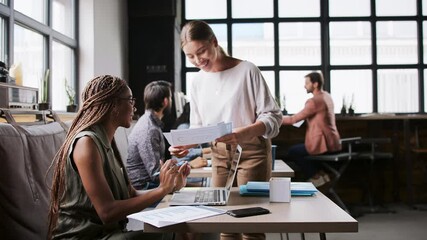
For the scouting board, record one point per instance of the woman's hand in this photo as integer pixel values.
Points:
(207, 150)
(231, 138)
(168, 173)
(178, 151)
(181, 151)
(244, 133)
(198, 162)
(181, 177)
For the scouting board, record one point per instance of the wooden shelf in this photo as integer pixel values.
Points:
(35, 116)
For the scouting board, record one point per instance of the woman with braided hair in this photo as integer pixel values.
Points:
(91, 194)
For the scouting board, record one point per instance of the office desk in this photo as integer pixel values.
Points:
(406, 120)
(317, 214)
(281, 169)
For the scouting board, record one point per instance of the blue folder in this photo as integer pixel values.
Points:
(263, 189)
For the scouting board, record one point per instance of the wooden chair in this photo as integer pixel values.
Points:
(344, 157)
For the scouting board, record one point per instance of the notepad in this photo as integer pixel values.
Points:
(253, 188)
(173, 215)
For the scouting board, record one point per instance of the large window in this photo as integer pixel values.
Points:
(62, 16)
(35, 9)
(28, 56)
(2, 40)
(291, 51)
(368, 50)
(62, 72)
(254, 41)
(43, 40)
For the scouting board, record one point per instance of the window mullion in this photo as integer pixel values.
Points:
(420, 57)
(324, 35)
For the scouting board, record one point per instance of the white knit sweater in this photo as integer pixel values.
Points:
(239, 95)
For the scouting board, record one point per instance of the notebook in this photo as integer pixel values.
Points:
(209, 195)
(263, 189)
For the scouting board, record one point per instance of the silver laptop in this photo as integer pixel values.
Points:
(209, 195)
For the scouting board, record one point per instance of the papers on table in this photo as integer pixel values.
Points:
(253, 188)
(181, 137)
(298, 124)
(172, 215)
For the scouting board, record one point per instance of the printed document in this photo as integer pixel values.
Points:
(182, 137)
(298, 124)
(172, 215)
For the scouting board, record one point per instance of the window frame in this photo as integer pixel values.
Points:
(324, 19)
(13, 17)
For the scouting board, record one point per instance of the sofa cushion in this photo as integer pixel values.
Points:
(26, 155)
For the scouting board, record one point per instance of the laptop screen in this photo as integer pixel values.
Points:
(233, 168)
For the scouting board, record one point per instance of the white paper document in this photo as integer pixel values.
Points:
(298, 124)
(181, 137)
(172, 215)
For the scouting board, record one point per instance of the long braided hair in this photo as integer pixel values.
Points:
(98, 101)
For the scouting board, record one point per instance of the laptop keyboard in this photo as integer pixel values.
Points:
(208, 196)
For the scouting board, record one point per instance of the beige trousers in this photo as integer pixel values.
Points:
(255, 165)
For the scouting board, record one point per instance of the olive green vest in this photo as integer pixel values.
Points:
(77, 216)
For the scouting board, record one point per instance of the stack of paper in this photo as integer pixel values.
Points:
(172, 215)
(263, 189)
(190, 136)
(298, 124)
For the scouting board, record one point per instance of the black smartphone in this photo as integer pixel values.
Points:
(245, 212)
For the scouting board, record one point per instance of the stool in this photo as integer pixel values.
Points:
(344, 157)
(371, 156)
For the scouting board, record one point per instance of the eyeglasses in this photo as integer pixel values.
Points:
(131, 99)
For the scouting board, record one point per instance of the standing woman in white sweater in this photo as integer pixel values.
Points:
(228, 89)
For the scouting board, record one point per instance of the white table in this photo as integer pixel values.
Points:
(315, 214)
(281, 169)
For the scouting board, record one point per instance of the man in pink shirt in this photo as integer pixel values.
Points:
(321, 136)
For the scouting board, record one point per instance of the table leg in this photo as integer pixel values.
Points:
(408, 161)
(396, 163)
(322, 236)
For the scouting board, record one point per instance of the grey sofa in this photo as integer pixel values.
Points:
(26, 153)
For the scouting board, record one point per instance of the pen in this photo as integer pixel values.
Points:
(178, 165)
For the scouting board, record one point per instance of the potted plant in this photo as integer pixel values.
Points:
(44, 92)
(71, 107)
(277, 99)
(344, 107)
(284, 111)
(351, 107)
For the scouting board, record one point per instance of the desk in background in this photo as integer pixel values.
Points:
(316, 214)
(281, 169)
(397, 127)
(403, 122)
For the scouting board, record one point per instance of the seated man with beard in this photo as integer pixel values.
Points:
(146, 143)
